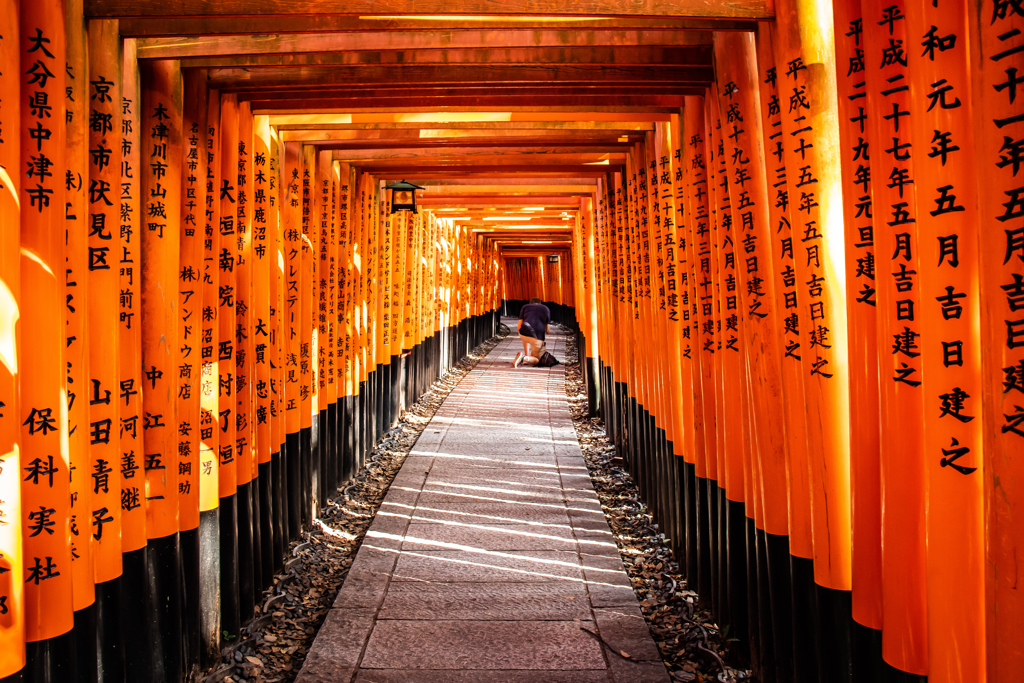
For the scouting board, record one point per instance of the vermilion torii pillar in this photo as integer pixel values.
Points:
(161, 120)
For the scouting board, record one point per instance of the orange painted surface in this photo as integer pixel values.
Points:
(738, 90)
(265, 268)
(133, 484)
(77, 272)
(12, 590)
(244, 367)
(291, 226)
(161, 193)
(995, 38)
(899, 298)
(42, 403)
(308, 385)
(698, 236)
(950, 315)
(104, 288)
(786, 302)
(226, 232)
(190, 297)
(805, 59)
(209, 402)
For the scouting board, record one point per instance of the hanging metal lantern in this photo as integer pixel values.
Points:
(403, 196)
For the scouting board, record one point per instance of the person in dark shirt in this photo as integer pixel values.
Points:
(534, 323)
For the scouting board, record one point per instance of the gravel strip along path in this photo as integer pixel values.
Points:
(691, 643)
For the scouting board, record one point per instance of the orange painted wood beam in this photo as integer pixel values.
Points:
(142, 26)
(338, 53)
(662, 104)
(430, 74)
(727, 9)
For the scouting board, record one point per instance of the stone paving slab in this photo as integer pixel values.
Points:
(547, 601)
(482, 645)
(466, 565)
(489, 553)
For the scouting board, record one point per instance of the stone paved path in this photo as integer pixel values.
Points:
(489, 553)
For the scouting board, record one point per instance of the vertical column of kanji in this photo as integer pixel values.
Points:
(730, 466)
(360, 265)
(622, 312)
(134, 626)
(810, 135)
(263, 271)
(650, 233)
(661, 376)
(77, 263)
(997, 57)
(746, 167)
(904, 611)
(865, 472)
(276, 342)
(291, 225)
(325, 354)
(12, 615)
(785, 280)
(225, 198)
(307, 368)
(250, 574)
(730, 473)
(711, 302)
(398, 232)
(739, 96)
(681, 259)
(607, 289)
(209, 402)
(382, 229)
(334, 313)
(104, 101)
(42, 401)
(355, 282)
(617, 294)
(941, 90)
(631, 229)
(635, 293)
(655, 374)
(344, 352)
(697, 233)
(190, 329)
(161, 192)
(676, 281)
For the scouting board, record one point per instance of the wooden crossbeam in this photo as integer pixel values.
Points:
(536, 153)
(183, 26)
(374, 139)
(727, 9)
(430, 45)
(419, 75)
(538, 159)
(630, 55)
(440, 127)
(494, 170)
(654, 104)
(469, 116)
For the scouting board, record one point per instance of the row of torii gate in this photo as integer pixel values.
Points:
(790, 237)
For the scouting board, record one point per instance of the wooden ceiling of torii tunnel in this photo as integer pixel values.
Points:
(508, 120)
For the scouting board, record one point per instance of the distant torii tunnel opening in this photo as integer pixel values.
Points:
(789, 236)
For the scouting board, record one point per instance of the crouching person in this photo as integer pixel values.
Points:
(534, 323)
